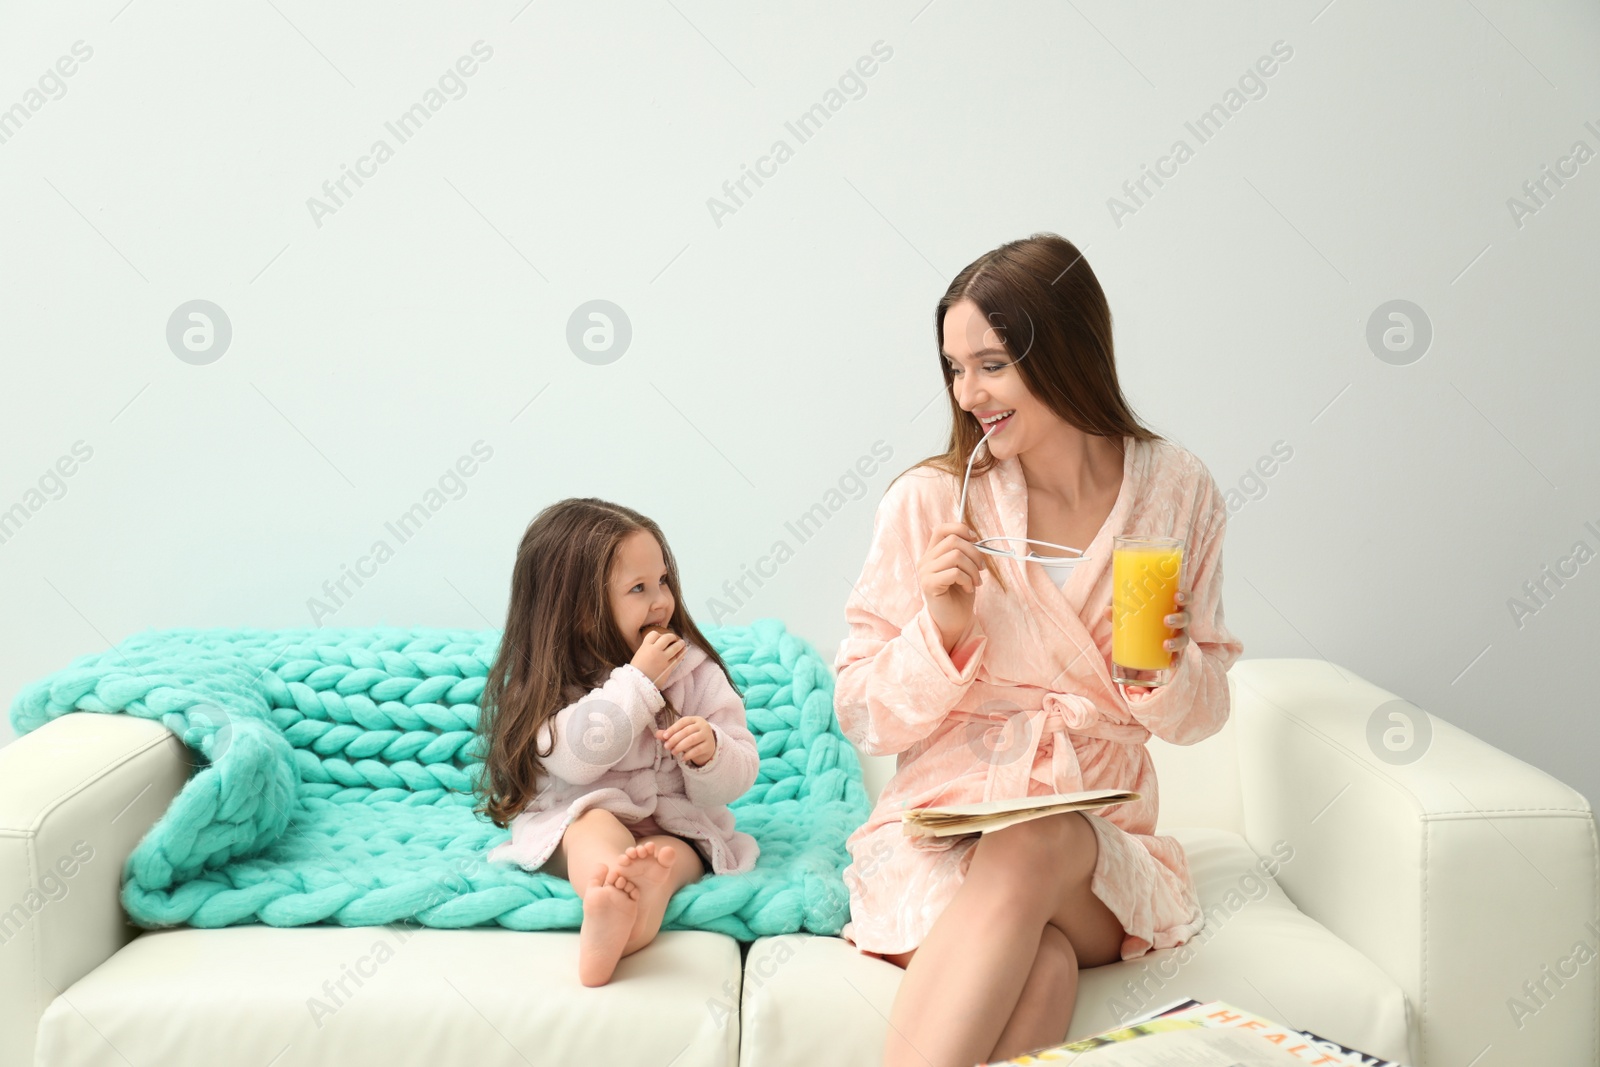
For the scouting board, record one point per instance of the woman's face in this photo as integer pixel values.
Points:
(637, 587)
(987, 383)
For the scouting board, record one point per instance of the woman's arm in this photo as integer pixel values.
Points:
(895, 681)
(593, 734)
(1194, 704)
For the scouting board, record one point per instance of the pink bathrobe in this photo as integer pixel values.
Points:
(1024, 705)
(593, 766)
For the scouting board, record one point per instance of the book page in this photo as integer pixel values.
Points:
(992, 807)
(987, 816)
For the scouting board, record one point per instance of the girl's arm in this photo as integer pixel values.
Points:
(732, 769)
(895, 683)
(593, 734)
(1194, 704)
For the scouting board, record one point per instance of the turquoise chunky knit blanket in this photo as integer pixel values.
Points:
(334, 774)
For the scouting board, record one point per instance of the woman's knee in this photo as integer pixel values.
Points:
(1056, 953)
(1062, 844)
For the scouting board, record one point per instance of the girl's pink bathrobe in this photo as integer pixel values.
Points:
(1024, 705)
(592, 765)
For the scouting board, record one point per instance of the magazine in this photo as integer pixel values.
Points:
(1193, 1034)
(1323, 1044)
(986, 815)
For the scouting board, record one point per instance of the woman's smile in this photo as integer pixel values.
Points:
(992, 425)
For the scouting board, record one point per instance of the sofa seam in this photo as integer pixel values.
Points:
(1446, 816)
(1594, 1003)
(68, 792)
(1383, 776)
(37, 1009)
(1422, 903)
(30, 838)
(1375, 774)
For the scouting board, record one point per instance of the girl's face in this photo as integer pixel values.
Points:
(986, 382)
(637, 587)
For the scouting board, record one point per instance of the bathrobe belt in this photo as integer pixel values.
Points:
(1012, 752)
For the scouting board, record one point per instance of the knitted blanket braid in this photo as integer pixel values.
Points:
(334, 773)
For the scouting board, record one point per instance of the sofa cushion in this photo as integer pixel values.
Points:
(1256, 950)
(490, 997)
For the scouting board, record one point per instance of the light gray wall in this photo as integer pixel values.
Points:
(775, 345)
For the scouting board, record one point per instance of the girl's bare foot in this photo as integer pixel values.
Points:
(646, 865)
(610, 903)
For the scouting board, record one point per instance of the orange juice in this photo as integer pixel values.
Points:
(1144, 590)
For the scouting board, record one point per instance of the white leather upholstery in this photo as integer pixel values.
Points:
(94, 783)
(1256, 950)
(485, 997)
(1461, 874)
(1417, 901)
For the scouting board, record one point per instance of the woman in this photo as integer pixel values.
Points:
(988, 680)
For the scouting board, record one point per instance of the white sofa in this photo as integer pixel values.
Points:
(1412, 903)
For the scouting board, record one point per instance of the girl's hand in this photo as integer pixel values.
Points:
(658, 653)
(1178, 622)
(690, 738)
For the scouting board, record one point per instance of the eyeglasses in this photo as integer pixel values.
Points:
(1061, 565)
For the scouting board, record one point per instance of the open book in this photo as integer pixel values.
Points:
(983, 816)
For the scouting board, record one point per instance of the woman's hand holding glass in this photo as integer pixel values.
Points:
(1179, 623)
(949, 574)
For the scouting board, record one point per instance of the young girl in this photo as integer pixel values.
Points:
(616, 739)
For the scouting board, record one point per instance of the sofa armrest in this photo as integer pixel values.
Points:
(1464, 873)
(76, 796)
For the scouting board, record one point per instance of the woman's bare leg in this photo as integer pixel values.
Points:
(965, 981)
(1044, 1011)
(1083, 932)
(1094, 931)
(966, 977)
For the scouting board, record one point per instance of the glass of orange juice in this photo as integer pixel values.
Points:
(1145, 574)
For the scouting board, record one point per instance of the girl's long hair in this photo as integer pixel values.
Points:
(560, 641)
(1041, 299)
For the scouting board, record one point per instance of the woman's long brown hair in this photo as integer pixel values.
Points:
(1042, 300)
(560, 640)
